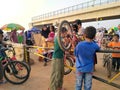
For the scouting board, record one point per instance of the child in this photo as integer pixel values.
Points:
(48, 40)
(84, 53)
(115, 56)
(56, 79)
(1, 67)
(51, 34)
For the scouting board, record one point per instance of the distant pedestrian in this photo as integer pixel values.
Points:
(13, 36)
(21, 37)
(79, 26)
(85, 53)
(80, 30)
(99, 37)
(48, 41)
(28, 38)
(51, 34)
(45, 31)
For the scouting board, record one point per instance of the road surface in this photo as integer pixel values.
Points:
(40, 76)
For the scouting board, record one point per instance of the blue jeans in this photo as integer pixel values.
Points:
(86, 77)
(116, 63)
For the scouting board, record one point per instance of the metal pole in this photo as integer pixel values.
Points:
(105, 81)
(108, 51)
(114, 77)
(26, 55)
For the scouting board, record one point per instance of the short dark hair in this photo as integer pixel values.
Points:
(1, 32)
(53, 28)
(78, 22)
(44, 25)
(116, 35)
(76, 28)
(63, 29)
(90, 32)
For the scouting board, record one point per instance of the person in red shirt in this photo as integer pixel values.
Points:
(115, 44)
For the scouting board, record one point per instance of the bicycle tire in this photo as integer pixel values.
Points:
(104, 60)
(23, 65)
(63, 47)
(13, 75)
(109, 67)
(69, 60)
(28, 65)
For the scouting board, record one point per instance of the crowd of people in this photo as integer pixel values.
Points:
(85, 43)
(85, 54)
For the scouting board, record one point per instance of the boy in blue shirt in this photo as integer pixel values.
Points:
(84, 53)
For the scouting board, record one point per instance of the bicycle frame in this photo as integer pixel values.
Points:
(9, 60)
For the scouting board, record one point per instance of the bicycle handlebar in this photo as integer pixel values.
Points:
(108, 51)
(3, 49)
(8, 47)
(116, 47)
(113, 47)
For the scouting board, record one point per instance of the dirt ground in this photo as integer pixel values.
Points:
(40, 76)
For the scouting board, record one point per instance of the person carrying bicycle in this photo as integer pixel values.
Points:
(115, 44)
(57, 74)
(1, 67)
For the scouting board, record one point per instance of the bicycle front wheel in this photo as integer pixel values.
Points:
(109, 67)
(18, 72)
(63, 43)
(68, 62)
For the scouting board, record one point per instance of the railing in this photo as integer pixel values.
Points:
(73, 8)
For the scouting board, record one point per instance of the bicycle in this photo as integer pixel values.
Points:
(66, 43)
(107, 62)
(11, 49)
(15, 72)
(69, 61)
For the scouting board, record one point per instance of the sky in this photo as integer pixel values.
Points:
(104, 23)
(21, 11)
